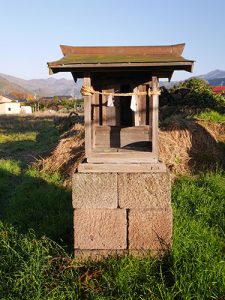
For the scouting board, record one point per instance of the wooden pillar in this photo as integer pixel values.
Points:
(142, 106)
(136, 113)
(155, 118)
(87, 117)
(95, 116)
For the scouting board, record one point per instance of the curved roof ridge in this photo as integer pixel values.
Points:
(125, 50)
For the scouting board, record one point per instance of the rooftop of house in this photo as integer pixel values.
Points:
(4, 99)
(220, 89)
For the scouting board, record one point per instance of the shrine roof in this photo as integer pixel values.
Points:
(80, 59)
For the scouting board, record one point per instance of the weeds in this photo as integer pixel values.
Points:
(210, 115)
(36, 216)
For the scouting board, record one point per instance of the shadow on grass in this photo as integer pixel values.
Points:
(29, 202)
(28, 137)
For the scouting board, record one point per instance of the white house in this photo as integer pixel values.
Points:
(26, 109)
(9, 108)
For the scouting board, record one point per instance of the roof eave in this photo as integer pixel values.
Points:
(55, 68)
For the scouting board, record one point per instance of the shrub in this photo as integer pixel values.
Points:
(199, 94)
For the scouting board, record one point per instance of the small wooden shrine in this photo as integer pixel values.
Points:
(121, 94)
(121, 194)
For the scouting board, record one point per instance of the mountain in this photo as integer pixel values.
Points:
(7, 87)
(216, 77)
(63, 87)
(168, 84)
(47, 87)
(217, 81)
(216, 74)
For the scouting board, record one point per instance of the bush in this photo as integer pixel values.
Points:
(199, 94)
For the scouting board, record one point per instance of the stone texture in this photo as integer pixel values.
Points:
(82, 255)
(95, 190)
(97, 255)
(150, 229)
(100, 229)
(121, 214)
(151, 190)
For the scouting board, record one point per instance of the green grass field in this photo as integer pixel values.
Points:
(36, 232)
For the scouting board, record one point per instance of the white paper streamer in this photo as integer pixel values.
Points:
(133, 103)
(110, 101)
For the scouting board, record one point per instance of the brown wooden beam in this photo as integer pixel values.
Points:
(155, 118)
(87, 114)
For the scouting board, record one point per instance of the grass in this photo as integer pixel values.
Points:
(36, 239)
(38, 268)
(30, 198)
(211, 115)
(199, 227)
(23, 138)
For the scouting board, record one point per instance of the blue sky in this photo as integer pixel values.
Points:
(32, 30)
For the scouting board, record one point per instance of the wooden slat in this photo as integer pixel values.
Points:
(96, 110)
(136, 113)
(155, 121)
(175, 65)
(148, 109)
(96, 116)
(142, 105)
(143, 155)
(104, 150)
(121, 157)
(117, 104)
(108, 113)
(122, 168)
(114, 136)
(104, 107)
(87, 118)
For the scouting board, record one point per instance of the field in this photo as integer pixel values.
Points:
(36, 231)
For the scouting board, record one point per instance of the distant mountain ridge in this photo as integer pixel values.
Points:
(217, 81)
(7, 87)
(216, 74)
(63, 87)
(47, 87)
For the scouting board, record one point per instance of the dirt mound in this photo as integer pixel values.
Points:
(184, 146)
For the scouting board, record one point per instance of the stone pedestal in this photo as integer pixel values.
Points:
(121, 213)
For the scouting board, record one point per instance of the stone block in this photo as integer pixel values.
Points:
(100, 229)
(95, 190)
(82, 255)
(150, 229)
(147, 190)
